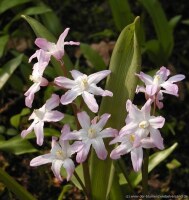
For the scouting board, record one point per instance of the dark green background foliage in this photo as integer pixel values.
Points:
(164, 41)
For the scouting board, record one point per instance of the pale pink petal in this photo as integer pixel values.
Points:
(54, 142)
(84, 120)
(163, 72)
(75, 74)
(60, 42)
(75, 135)
(157, 139)
(41, 160)
(98, 76)
(148, 80)
(68, 97)
(53, 116)
(38, 129)
(64, 82)
(58, 54)
(103, 120)
(83, 153)
(56, 166)
(44, 82)
(117, 139)
(34, 55)
(65, 130)
(157, 122)
(120, 150)
(29, 130)
(68, 164)
(52, 102)
(170, 88)
(129, 128)
(137, 157)
(146, 109)
(71, 43)
(42, 43)
(142, 132)
(99, 91)
(140, 89)
(100, 148)
(159, 97)
(151, 89)
(134, 112)
(75, 147)
(147, 143)
(176, 78)
(108, 132)
(90, 101)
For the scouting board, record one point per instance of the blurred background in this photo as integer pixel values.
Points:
(97, 25)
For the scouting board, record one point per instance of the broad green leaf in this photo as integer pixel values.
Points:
(154, 160)
(14, 186)
(5, 5)
(121, 13)
(17, 145)
(16, 83)
(41, 31)
(93, 57)
(8, 69)
(161, 25)
(124, 63)
(15, 120)
(3, 41)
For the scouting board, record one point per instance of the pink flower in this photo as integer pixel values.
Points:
(59, 156)
(52, 49)
(44, 114)
(141, 123)
(131, 143)
(91, 134)
(155, 84)
(83, 85)
(37, 77)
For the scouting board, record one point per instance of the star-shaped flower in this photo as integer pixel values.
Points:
(85, 86)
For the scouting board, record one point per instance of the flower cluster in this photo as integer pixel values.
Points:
(141, 129)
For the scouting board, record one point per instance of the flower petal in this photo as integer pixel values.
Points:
(163, 72)
(53, 116)
(64, 82)
(137, 157)
(100, 148)
(43, 44)
(52, 102)
(38, 129)
(147, 143)
(98, 76)
(84, 120)
(75, 74)
(120, 150)
(134, 112)
(176, 78)
(170, 88)
(108, 132)
(129, 128)
(148, 80)
(56, 166)
(90, 101)
(82, 154)
(157, 122)
(29, 130)
(41, 160)
(151, 89)
(99, 91)
(68, 97)
(68, 164)
(157, 139)
(60, 42)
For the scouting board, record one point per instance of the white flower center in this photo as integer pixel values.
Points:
(39, 114)
(92, 133)
(60, 155)
(35, 79)
(157, 80)
(84, 84)
(144, 124)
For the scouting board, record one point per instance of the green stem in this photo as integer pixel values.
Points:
(80, 182)
(87, 179)
(121, 165)
(14, 186)
(145, 172)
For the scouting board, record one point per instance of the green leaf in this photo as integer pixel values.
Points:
(8, 69)
(154, 160)
(17, 145)
(93, 57)
(173, 164)
(41, 31)
(174, 21)
(121, 13)
(161, 25)
(15, 120)
(124, 63)
(16, 83)
(5, 5)
(15, 187)
(3, 41)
